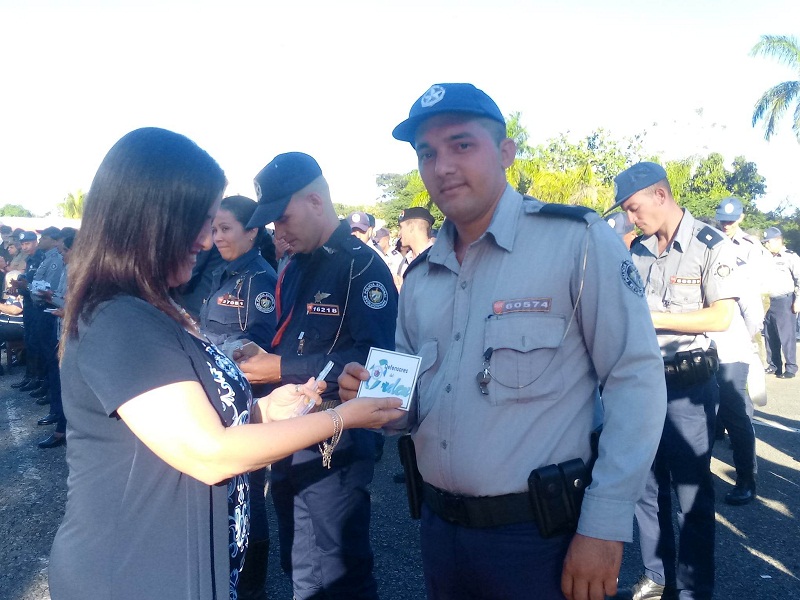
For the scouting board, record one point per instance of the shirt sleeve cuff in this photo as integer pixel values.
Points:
(606, 519)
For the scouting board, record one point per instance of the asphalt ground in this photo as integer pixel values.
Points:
(757, 546)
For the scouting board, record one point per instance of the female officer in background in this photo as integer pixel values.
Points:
(242, 303)
(242, 306)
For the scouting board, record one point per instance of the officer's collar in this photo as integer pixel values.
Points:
(340, 236)
(238, 263)
(502, 228)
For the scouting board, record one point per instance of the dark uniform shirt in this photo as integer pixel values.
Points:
(333, 304)
(242, 304)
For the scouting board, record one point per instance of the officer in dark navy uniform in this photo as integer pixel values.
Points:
(242, 307)
(34, 370)
(335, 300)
(242, 303)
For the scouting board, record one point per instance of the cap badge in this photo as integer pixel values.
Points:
(356, 218)
(258, 190)
(434, 94)
(728, 208)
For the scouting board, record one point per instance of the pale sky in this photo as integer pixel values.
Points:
(248, 79)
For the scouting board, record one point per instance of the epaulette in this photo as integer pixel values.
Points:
(567, 211)
(709, 236)
(419, 259)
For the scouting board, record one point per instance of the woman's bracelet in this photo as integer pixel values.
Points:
(327, 446)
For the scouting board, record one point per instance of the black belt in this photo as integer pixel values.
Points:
(691, 367)
(479, 511)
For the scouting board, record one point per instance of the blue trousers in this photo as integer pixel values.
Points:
(493, 563)
(736, 415)
(779, 334)
(323, 520)
(682, 464)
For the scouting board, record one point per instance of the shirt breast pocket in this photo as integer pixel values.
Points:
(685, 297)
(522, 363)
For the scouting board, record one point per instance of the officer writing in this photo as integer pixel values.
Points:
(518, 311)
(334, 300)
(688, 269)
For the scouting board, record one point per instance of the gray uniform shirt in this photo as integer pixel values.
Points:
(735, 344)
(50, 271)
(785, 274)
(516, 292)
(694, 271)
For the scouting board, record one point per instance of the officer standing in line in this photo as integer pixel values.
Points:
(416, 225)
(240, 305)
(34, 363)
(730, 214)
(784, 305)
(511, 359)
(620, 223)
(690, 288)
(45, 282)
(736, 349)
(335, 300)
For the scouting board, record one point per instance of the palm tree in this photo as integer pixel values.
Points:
(779, 98)
(72, 206)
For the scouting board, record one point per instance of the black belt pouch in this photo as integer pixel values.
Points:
(556, 493)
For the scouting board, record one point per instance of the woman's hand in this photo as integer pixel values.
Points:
(370, 413)
(289, 400)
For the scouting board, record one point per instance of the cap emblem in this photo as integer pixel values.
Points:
(434, 95)
(729, 208)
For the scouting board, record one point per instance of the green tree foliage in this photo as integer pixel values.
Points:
(561, 171)
(699, 183)
(783, 96)
(72, 206)
(15, 210)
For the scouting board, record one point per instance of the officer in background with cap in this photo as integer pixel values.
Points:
(729, 216)
(45, 281)
(416, 225)
(784, 304)
(511, 312)
(688, 268)
(620, 223)
(334, 300)
(34, 363)
(360, 227)
(738, 353)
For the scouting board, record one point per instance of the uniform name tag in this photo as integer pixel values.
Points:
(522, 305)
(685, 280)
(228, 300)
(331, 310)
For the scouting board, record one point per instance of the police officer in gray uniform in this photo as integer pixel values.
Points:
(511, 312)
(784, 305)
(688, 269)
(735, 348)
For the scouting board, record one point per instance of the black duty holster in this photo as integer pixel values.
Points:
(408, 458)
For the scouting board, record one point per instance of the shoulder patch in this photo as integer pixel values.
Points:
(566, 211)
(709, 236)
(631, 278)
(419, 259)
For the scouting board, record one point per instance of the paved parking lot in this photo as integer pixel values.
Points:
(758, 546)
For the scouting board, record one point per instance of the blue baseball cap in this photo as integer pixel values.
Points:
(620, 223)
(28, 236)
(634, 179)
(771, 233)
(276, 183)
(729, 210)
(447, 98)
